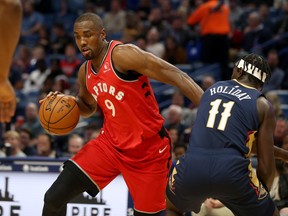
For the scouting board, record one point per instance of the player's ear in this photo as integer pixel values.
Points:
(239, 72)
(235, 73)
(103, 34)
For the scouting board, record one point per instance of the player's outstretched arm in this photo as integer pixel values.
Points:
(85, 100)
(281, 154)
(129, 57)
(265, 143)
(10, 27)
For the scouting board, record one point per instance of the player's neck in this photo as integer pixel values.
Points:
(245, 83)
(96, 63)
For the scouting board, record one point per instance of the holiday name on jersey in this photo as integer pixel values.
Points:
(231, 91)
(106, 88)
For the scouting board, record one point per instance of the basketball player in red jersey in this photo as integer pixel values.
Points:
(133, 141)
(10, 26)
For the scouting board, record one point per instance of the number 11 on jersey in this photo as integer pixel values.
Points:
(224, 115)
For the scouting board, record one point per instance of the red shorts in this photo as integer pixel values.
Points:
(145, 169)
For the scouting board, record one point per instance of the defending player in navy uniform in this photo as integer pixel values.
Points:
(233, 115)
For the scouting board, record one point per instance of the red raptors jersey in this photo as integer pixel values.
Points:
(131, 113)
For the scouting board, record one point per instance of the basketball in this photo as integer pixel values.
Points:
(59, 114)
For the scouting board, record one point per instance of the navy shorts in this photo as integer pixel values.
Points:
(222, 174)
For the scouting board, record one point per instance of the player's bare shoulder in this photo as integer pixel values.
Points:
(125, 51)
(265, 110)
(127, 57)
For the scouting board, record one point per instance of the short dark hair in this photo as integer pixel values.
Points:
(97, 21)
(27, 131)
(50, 139)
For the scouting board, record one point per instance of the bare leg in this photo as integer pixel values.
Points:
(10, 25)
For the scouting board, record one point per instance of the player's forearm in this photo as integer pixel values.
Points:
(191, 90)
(86, 110)
(266, 174)
(10, 22)
(267, 181)
(281, 153)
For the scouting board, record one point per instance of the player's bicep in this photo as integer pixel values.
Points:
(132, 58)
(265, 141)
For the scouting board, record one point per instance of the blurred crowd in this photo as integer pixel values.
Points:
(47, 60)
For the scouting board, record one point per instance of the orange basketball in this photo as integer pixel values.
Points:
(59, 114)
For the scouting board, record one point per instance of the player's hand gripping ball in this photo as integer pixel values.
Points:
(59, 114)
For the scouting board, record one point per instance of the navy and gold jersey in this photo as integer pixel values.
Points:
(228, 117)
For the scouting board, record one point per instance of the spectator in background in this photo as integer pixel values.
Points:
(70, 64)
(280, 30)
(61, 84)
(32, 122)
(236, 11)
(174, 119)
(38, 53)
(44, 39)
(91, 131)
(183, 8)
(179, 30)
(166, 10)
(174, 136)
(154, 44)
(264, 12)
(179, 150)
(45, 146)
(132, 29)
(75, 143)
(213, 18)
(178, 147)
(22, 60)
(279, 189)
(37, 77)
(66, 13)
(143, 9)
(50, 80)
(277, 74)
(255, 34)
(141, 42)
(281, 25)
(59, 38)
(187, 115)
(31, 24)
(274, 99)
(207, 81)
(174, 53)
(155, 21)
(115, 20)
(13, 139)
(281, 130)
(27, 144)
(94, 134)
